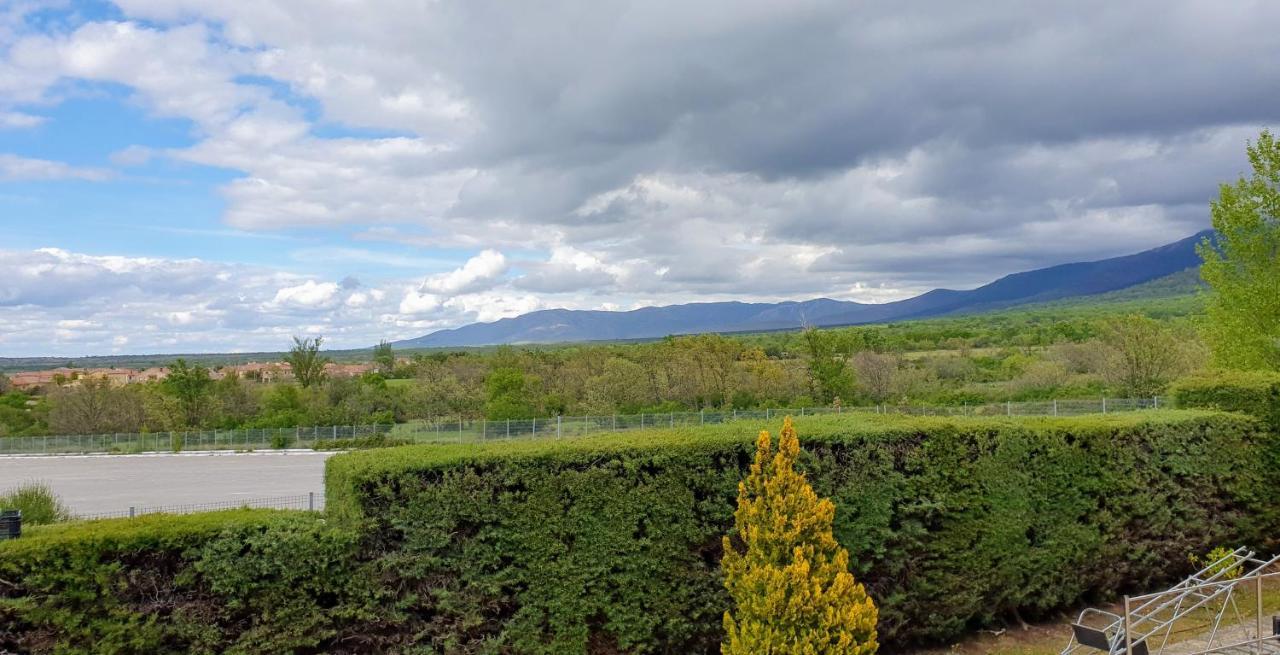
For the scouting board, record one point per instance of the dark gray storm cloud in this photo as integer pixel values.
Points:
(669, 150)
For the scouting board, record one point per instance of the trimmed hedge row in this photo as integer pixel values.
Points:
(1256, 393)
(239, 581)
(612, 544)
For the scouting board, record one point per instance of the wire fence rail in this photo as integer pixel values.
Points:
(248, 439)
(470, 431)
(312, 501)
(463, 430)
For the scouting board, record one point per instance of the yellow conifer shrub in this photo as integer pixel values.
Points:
(788, 576)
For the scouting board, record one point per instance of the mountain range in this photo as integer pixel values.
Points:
(1052, 283)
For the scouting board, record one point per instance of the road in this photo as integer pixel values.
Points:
(92, 484)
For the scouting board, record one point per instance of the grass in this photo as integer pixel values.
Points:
(37, 502)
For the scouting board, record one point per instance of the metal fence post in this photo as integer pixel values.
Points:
(311, 501)
(1008, 408)
(131, 511)
(1128, 625)
(1104, 404)
(1055, 406)
(1257, 587)
(559, 426)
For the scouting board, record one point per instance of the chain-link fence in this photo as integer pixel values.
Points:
(462, 430)
(313, 501)
(249, 439)
(454, 430)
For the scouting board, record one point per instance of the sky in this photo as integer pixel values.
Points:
(213, 176)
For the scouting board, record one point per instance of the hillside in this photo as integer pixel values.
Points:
(1030, 287)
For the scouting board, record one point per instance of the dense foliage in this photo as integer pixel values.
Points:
(1001, 357)
(608, 545)
(613, 544)
(788, 577)
(242, 581)
(1252, 392)
(1242, 265)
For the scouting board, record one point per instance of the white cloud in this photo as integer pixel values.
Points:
(479, 273)
(14, 120)
(309, 294)
(13, 167)
(863, 151)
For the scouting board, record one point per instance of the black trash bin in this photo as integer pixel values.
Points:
(10, 524)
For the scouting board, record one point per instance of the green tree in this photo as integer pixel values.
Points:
(1141, 355)
(385, 358)
(788, 577)
(306, 362)
(508, 395)
(1243, 265)
(190, 385)
(829, 375)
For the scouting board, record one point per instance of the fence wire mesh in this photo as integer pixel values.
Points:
(465, 430)
(313, 501)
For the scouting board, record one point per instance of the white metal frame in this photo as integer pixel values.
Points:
(1147, 621)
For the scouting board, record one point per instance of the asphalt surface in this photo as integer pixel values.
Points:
(91, 484)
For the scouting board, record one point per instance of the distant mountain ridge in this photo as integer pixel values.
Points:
(1041, 285)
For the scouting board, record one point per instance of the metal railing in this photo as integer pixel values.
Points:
(463, 430)
(313, 501)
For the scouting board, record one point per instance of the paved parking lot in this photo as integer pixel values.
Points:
(93, 484)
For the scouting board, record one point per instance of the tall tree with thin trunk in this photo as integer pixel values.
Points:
(305, 360)
(384, 356)
(1242, 265)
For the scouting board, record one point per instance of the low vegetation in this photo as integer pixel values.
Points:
(37, 502)
(953, 361)
(600, 545)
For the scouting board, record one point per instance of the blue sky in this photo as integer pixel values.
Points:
(198, 175)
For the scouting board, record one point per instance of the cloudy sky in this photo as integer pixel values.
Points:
(204, 175)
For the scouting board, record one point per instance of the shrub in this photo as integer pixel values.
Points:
(37, 502)
(240, 581)
(280, 441)
(1256, 393)
(613, 543)
(791, 586)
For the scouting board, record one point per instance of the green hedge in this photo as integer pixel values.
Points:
(612, 544)
(240, 581)
(1252, 392)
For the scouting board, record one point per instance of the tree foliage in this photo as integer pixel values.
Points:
(95, 407)
(1243, 265)
(1142, 356)
(190, 386)
(790, 583)
(305, 360)
(384, 356)
(828, 372)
